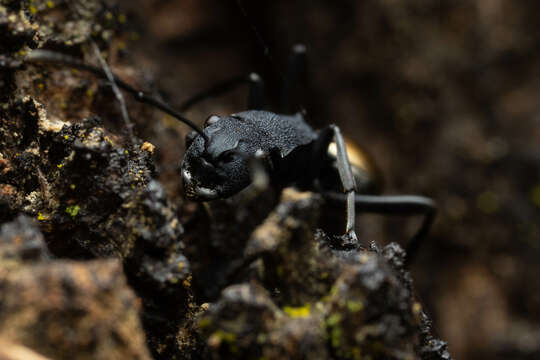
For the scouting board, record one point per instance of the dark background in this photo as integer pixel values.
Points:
(443, 94)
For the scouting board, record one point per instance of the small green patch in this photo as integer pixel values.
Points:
(73, 210)
(335, 336)
(205, 322)
(298, 312)
(355, 306)
(225, 336)
(42, 217)
(333, 319)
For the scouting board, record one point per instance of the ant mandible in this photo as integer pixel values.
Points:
(219, 158)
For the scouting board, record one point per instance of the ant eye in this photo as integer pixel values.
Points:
(227, 156)
(211, 120)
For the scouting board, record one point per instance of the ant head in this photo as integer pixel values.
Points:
(217, 167)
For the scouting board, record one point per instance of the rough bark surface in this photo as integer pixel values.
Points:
(248, 277)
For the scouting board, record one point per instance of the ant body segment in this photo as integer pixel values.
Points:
(219, 158)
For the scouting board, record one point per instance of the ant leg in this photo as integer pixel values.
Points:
(255, 97)
(347, 180)
(296, 74)
(407, 205)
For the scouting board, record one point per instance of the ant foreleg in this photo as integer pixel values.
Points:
(406, 205)
(347, 180)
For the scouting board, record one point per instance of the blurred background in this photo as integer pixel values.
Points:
(443, 94)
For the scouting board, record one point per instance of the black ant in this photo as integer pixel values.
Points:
(219, 159)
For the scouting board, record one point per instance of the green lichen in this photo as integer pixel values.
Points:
(335, 336)
(43, 216)
(298, 312)
(334, 330)
(333, 320)
(73, 210)
(225, 336)
(355, 306)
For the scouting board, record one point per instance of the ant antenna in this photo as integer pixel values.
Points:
(47, 56)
